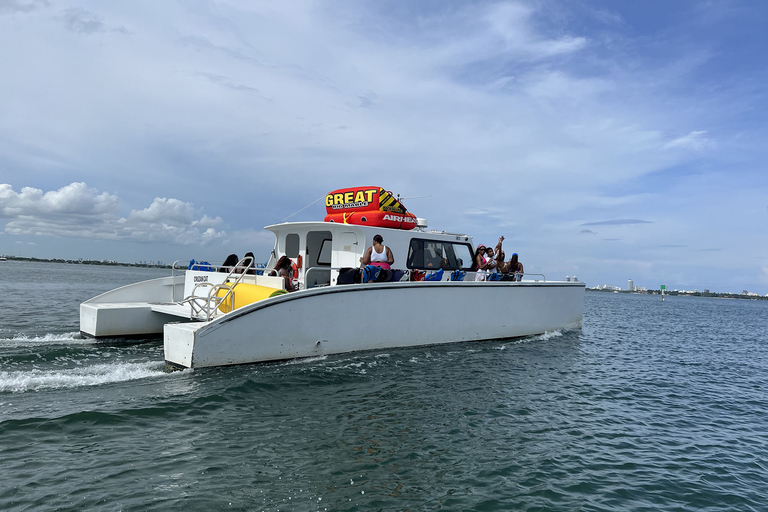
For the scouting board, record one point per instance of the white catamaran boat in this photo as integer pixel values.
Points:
(214, 316)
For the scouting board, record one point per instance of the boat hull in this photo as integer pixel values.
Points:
(126, 312)
(340, 319)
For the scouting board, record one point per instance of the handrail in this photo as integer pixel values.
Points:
(218, 268)
(174, 268)
(520, 276)
(210, 304)
(311, 270)
(543, 278)
(230, 293)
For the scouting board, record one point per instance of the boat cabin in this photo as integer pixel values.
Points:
(321, 249)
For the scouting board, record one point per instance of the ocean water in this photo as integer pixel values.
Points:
(651, 406)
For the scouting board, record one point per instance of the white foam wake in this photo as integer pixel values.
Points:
(33, 380)
(547, 335)
(305, 360)
(45, 339)
(529, 339)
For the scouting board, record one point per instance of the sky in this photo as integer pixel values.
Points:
(606, 140)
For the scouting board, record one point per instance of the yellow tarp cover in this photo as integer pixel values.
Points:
(245, 293)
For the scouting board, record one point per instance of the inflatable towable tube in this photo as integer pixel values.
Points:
(367, 206)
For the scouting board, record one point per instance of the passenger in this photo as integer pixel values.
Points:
(251, 262)
(516, 268)
(378, 254)
(285, 270)
(433, 259)
(501, 266)
(490, 258)
(480, 264)
(229, 264)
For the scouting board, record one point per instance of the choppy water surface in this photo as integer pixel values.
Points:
(652, 406)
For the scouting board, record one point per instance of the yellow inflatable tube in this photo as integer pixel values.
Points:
(244, 294)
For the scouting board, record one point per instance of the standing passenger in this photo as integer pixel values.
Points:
(490, 259)
(480, 264)
(501, 266)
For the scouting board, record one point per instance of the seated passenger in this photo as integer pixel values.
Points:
(434, 257)
(515, 267)
(501, 265)
(378, 254)
(251, 262)
(284, 269)
(229, 263)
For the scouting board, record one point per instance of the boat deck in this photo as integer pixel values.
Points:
(174, 309)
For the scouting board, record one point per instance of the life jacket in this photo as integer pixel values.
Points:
(296, 265)
(417, 275)
(434, 276)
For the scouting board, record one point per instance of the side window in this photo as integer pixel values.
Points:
(415, 254)
(434, 255)
(324, 257)
(431, 254)
(460, 256)
(292, 245)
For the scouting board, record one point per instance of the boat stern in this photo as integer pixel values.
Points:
(179, 343)
(120, 320)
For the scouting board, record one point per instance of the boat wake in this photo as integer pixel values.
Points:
(68, 338)
(546, 336)
(305, 360)
(530, 339)
(34, 380)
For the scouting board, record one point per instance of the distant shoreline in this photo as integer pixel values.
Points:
(668, 293)
(160, 265)
(88, 262)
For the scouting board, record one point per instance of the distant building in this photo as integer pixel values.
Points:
(630, 285)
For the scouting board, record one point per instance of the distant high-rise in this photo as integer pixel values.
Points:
(630, 285)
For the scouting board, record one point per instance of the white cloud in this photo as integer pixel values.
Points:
(82, 212)
(75, 198)
(696, 140)
(164, 210)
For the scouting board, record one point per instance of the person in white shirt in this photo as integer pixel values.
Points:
(378, 254)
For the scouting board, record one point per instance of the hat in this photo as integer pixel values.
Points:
(514, 254)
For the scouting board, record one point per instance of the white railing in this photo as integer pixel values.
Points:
(314, 276)
(207, 305)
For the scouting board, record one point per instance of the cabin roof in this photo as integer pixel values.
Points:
(334, 226)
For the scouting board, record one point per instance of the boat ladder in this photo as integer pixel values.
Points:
(205, 306)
